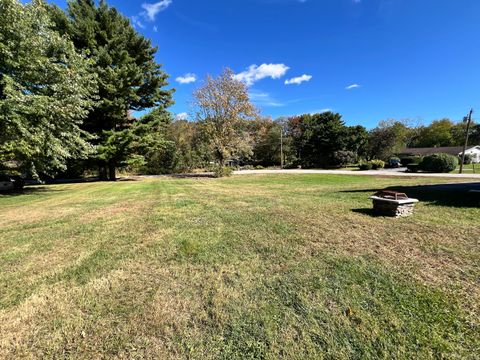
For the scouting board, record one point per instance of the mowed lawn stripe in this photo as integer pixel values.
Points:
(247, 267)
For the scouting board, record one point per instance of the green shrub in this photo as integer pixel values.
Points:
(222, 171)
(292, 166)
(259, 167)
(344, 157)
(468, 159)
(411, 160)
(365, 166)
(377, 164)
(439, 163)
(372, 164)
(248, 167)
(413, 167)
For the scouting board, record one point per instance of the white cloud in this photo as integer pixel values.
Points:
(321, 111)
(151, 10)
(137, 23)
(263, 99)
(298, 80)
(155, 28)
(255, 73)
(186, 79)
(353, 86)
(182, 116)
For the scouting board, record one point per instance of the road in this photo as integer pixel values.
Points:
(384, 172)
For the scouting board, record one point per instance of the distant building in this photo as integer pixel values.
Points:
(474, 151)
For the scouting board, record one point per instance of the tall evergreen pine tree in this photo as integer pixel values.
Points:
(129, 78)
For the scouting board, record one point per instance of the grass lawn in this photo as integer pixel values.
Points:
(264, 266)
(469, 168)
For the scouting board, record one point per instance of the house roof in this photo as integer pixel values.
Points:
(453, 150)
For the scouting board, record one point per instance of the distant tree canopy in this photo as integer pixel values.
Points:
(315, 139)
(192, 149)
(391, 136)
(439, 133)
(474, 138)
(46, 91)
(445, 132)
(266, 135)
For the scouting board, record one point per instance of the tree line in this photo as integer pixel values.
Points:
(71, 80)
(320, 140)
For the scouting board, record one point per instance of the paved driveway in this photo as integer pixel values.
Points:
(384, 172)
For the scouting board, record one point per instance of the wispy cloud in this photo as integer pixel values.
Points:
(186, 79)
(137, 22)
(321, 111)
(353, 86)
(204, 26)
(298, 80)
(255, 73)
(264, 99)
(181, 116)
(152, 9)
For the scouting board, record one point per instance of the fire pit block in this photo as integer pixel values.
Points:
(392, 207)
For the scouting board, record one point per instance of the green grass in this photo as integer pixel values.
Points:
(265, 266)
(469, 169)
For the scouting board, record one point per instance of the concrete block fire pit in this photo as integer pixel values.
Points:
(394, 204)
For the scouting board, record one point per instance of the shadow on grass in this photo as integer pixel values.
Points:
(193, 176)
(33, 187)
(30, 190)
(367, 211)
(455, 195)
(89, 180)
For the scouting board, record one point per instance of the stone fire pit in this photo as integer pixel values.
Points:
(392, 203)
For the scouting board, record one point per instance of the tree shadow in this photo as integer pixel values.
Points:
(193, 176)
(33, 187)
(29, 190)
(89, 180)
(454, 195)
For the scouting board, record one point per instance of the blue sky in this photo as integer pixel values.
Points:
(367, 59)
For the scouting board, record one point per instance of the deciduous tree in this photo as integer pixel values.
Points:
(267, 142)
(382, 142)
(45, 91)
(222, 104)
(192, 148)
(438, 133)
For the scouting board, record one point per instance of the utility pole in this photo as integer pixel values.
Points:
(468, 120)
(281, 146)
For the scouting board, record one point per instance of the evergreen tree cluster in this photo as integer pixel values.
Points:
(321, 140)
(69, 82)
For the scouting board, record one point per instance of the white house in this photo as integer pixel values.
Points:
(474, 151)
